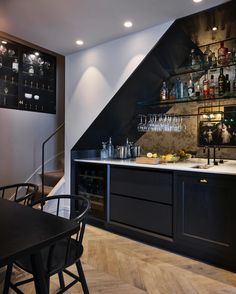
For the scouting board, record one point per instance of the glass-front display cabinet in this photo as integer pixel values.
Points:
(27, 78)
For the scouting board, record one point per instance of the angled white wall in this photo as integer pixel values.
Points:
(94, 75)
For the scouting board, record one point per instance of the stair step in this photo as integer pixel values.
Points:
(47, 189)
(53, 177)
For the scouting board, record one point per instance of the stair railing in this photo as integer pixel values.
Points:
(43, 153)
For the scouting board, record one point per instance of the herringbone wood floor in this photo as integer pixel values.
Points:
(114, 264)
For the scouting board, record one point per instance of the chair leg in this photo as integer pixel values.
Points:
(7, 279)
(61, 280)
(82, 277)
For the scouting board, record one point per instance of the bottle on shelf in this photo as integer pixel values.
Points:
(213, 60)
(185, 90)
(193, 59)
(234, 81)
(197, 89)
(104, 151)
(206, 87)
(222, 54)
(221, 82)
(31, 70)
(212, 88)
(190, 87)
(15, 65)
(164, 92)
(179, 89)
(128, 145)
(207, 56)
(110, 149)
(227, 83)
(172, 93)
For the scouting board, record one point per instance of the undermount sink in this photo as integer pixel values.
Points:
(202, 166)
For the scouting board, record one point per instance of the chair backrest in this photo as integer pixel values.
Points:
(23, 193)
(73, 244)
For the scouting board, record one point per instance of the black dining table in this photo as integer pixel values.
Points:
(24, 231)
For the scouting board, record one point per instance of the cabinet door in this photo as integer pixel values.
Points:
(205, 218)
(149, 216)
(142, 183)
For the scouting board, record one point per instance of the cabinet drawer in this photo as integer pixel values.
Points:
(149, 216)
(144, 184)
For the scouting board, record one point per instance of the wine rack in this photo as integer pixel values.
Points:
(91, 183)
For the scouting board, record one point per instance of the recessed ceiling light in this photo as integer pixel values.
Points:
(197, 1)
(79, 42)
(128, 24)
(214, 29)
(4, 42)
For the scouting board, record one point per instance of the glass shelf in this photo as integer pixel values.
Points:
(199, 99)
(191, 70)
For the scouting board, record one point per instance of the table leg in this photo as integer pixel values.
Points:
(40, 279)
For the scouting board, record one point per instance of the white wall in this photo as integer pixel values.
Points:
(94, 75)
(22, 133)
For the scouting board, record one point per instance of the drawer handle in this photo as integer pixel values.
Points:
(204, 181)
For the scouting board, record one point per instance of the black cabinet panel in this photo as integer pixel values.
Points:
(205, 213)
(144, 184)
(146, 215)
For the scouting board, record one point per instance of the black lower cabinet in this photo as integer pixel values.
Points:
(149, 216)
(205, 217)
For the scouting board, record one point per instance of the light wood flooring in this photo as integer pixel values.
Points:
(117, 265)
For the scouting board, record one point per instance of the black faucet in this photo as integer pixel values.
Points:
(208, 153)
(215, 162)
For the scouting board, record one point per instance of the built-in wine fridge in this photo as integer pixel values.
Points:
(91, 183)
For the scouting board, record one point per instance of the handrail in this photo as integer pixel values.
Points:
(43, 151)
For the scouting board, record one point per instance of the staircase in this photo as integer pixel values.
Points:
(50, 180)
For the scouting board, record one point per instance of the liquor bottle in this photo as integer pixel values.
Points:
(221, 82)
(212, 88)
(110, 149)
(164, 92)
(185, 90)
(197, 89)
(222, 54)
(213, 60)
(190, 87)
(128, 145)
(15, 65)
(207, 55)
(104, 151)
(227, 83)
(206, 87)
(31, 70)
(179, 89)
(234, 82)
(194, 61)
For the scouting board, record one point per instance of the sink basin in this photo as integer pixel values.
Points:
(202, 166)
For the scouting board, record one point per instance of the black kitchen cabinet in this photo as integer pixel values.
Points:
(142, 199)
(205, 217)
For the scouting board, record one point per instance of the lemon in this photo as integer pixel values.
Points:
(149, 155)
(154, 155)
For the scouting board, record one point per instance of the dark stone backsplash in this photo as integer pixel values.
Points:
(165, 142)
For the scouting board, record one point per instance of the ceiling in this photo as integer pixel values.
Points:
(57, 24)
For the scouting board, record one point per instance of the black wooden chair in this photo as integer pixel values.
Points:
(58, 257)
(23, 193)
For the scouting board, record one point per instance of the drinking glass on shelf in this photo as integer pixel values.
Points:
(3, 49)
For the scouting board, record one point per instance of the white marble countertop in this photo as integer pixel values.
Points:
(227, 168)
